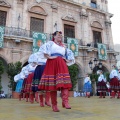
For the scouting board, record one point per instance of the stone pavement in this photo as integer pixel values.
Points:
(82, 109)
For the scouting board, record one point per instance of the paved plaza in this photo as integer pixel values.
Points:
(82, 109)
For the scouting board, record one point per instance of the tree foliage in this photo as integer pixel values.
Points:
(94, 77)
(73, 70)
(1, 72)
(107, 74)
(12, 70)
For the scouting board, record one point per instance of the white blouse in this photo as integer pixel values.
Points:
(52, 48)
(101, 77)
(113, 74)
(87, 79)
(40, 60)
(22, 75)
(119, 76)
(31, 68)
(16, 77)
(30, 59)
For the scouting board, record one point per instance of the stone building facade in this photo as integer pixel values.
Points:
(86, 20)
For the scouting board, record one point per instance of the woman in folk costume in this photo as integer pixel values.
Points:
(23, 92)
(114, 82)
(101, 85)
(56, 75)
(19, 80)
(87, 88)
(16, 79)
(28, 82)
(36, 79)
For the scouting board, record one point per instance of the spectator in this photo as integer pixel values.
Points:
(2, 94)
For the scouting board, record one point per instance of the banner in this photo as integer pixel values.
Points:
(38, 40)
(73, 45)
(102, 51)
(1, 37)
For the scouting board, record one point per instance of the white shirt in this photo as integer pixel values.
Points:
(101, 77)
(113, 74)
(3, 95)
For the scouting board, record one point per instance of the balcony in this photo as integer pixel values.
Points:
(93, 5)
(94, 45)
(20, 33)
(17, 32)
(27, 34)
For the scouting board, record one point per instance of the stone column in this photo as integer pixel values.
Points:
(84, 25)
(108, 32)
(84, 35)
(54, 17)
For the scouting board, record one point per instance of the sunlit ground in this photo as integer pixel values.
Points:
(82, 109)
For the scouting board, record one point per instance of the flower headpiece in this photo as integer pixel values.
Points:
(55, 33)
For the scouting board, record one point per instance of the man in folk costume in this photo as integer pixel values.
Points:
(56, 75)
(41, 62)
(101, 85)
(114, 82)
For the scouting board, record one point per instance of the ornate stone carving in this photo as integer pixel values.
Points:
(83, 13)
(108, 23)
(96, 25)
(38, 1)
(38, 10)
(4, 3)
(20, 1)
(53, 6)
(69, 17)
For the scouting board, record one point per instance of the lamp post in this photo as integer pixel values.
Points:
(97, 66)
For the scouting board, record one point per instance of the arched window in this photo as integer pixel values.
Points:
(97, 33)
(37, 19)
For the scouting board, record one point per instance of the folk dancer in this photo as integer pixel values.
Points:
(56, 75)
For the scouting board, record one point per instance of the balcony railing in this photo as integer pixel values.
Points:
(22, 33)
(94, 45)
(12, 31)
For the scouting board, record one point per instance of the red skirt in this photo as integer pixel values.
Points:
(28, 83)
(101, 86)
(23, 86)
(114, 84)
(55, 75)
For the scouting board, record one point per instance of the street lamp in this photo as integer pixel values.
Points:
(100, 64)
(90, 64)
(97, 66)
(95, 61)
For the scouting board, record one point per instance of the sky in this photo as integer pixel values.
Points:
(114, 8)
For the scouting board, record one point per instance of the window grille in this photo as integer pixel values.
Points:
(97, 38)
(3, 15)
(69, 31)
(36, 25)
